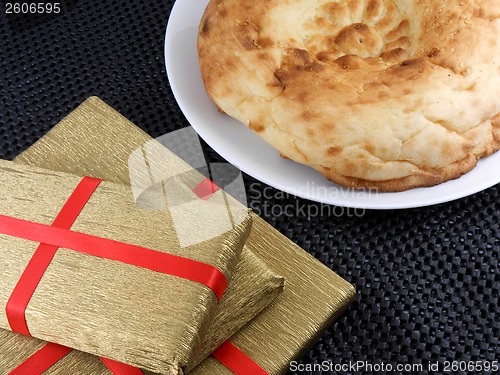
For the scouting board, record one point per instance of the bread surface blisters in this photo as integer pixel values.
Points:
(371, 93)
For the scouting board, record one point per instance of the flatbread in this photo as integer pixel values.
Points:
(371, 93)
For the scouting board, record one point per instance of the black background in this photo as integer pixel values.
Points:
(427, 279)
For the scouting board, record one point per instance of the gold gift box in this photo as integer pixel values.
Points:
(257, 285)
(314, 296)
(121, 311)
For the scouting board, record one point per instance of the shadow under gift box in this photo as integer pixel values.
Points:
(314, 295)
(105, 307)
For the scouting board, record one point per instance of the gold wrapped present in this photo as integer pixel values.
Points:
(118, 283)
(255, 284)
(314, 295)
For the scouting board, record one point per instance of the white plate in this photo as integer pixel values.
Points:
(243, 148)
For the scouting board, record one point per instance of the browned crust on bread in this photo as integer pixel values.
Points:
(427, 179)
(379, 94)
(431, 178)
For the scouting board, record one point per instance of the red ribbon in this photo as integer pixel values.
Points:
(205, 189)
(42, 360)
(51, 237)
(237, 361)
(27, 284)
(109, 249)
(153, 260)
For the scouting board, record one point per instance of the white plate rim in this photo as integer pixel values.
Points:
(421, 197)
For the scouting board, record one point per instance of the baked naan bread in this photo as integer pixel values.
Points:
(382, 94)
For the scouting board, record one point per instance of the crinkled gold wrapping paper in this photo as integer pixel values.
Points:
(78, 145)
(104, 307)
(314, 296)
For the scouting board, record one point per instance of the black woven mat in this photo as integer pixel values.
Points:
(427, 278)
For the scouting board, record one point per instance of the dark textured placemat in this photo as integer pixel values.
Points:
(427, 278)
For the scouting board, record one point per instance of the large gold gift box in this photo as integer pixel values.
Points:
(314, 296)
(256, 285)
